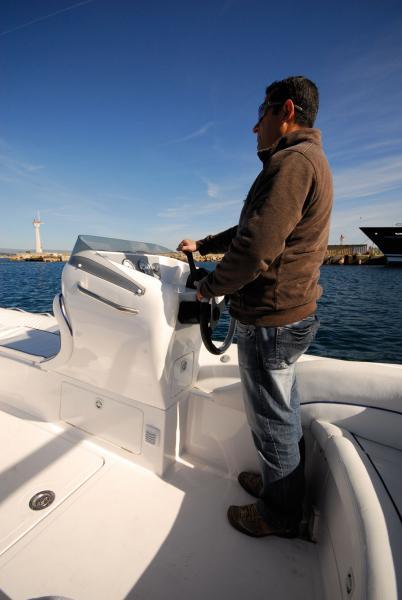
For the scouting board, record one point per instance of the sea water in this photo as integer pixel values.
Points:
(360, 310)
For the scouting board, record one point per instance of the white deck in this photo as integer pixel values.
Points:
(37, 335)
(118, 531)
(126, 533)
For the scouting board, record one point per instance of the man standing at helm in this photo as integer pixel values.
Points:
(271, 269)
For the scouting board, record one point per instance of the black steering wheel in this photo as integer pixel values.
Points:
(210, 311)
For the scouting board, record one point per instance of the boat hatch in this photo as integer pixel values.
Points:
(36, 462)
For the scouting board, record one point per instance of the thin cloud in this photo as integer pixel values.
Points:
(234, 185)
(227, 6)
(353, 148)
(375, 213)
(54, 199)
(369, 179)
(32, 168)
(18, 166)
(14, 171)
(191, 136)
(347, 220)
(198, 208)
(170, 228)
(44, 18)
(374, 66)
(122, 198)
(213, 189)
(363, 95)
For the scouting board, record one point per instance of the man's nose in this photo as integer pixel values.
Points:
(256, 128)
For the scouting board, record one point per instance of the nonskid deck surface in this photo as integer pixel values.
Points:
(125, 533)
(31, 458)
(35, 334)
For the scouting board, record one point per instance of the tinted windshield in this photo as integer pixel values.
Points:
(94, 242)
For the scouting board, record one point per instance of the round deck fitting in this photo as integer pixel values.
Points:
(42, 500)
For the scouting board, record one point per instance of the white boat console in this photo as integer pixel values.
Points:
(127, 361)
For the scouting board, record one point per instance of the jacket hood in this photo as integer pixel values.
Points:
(291, 139)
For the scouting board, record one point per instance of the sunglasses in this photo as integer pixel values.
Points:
(265, 106)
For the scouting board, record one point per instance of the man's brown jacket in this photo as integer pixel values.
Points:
(273, 256)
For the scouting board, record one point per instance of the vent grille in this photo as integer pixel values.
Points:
(152, 435)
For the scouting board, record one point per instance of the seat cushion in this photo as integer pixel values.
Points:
(361, 518)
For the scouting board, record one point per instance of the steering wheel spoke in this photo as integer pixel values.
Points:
(210, 313)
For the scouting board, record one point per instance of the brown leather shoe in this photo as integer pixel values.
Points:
(247, 520)
(251, 482)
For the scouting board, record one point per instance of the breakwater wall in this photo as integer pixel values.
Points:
(45, 257)
(330, 259)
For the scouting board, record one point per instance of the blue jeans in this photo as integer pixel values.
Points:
(267, 360)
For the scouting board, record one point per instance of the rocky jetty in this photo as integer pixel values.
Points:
(197, 256)
(355, 259)
(330, 259)
(45, 257)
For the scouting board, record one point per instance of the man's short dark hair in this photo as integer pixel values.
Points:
(302, 91)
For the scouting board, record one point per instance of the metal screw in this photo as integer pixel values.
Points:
(99, 403)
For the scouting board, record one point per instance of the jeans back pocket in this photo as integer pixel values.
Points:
(295, 338)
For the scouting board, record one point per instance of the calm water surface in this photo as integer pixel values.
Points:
(360, 311)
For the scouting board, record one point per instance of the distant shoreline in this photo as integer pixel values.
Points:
(347, 259)
(33, 257)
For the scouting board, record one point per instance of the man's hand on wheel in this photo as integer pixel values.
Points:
(190, 246)
(198, 294)
(187, 246)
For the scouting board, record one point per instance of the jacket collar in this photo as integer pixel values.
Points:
(291, 139)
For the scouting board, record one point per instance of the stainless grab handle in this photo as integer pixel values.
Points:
(63, 312)
(108, 302)
(98, 270)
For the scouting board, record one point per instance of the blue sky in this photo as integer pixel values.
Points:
(133, 119)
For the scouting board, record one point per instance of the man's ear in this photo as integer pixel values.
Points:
(289, 110)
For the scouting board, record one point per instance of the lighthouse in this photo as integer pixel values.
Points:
(37, 223)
